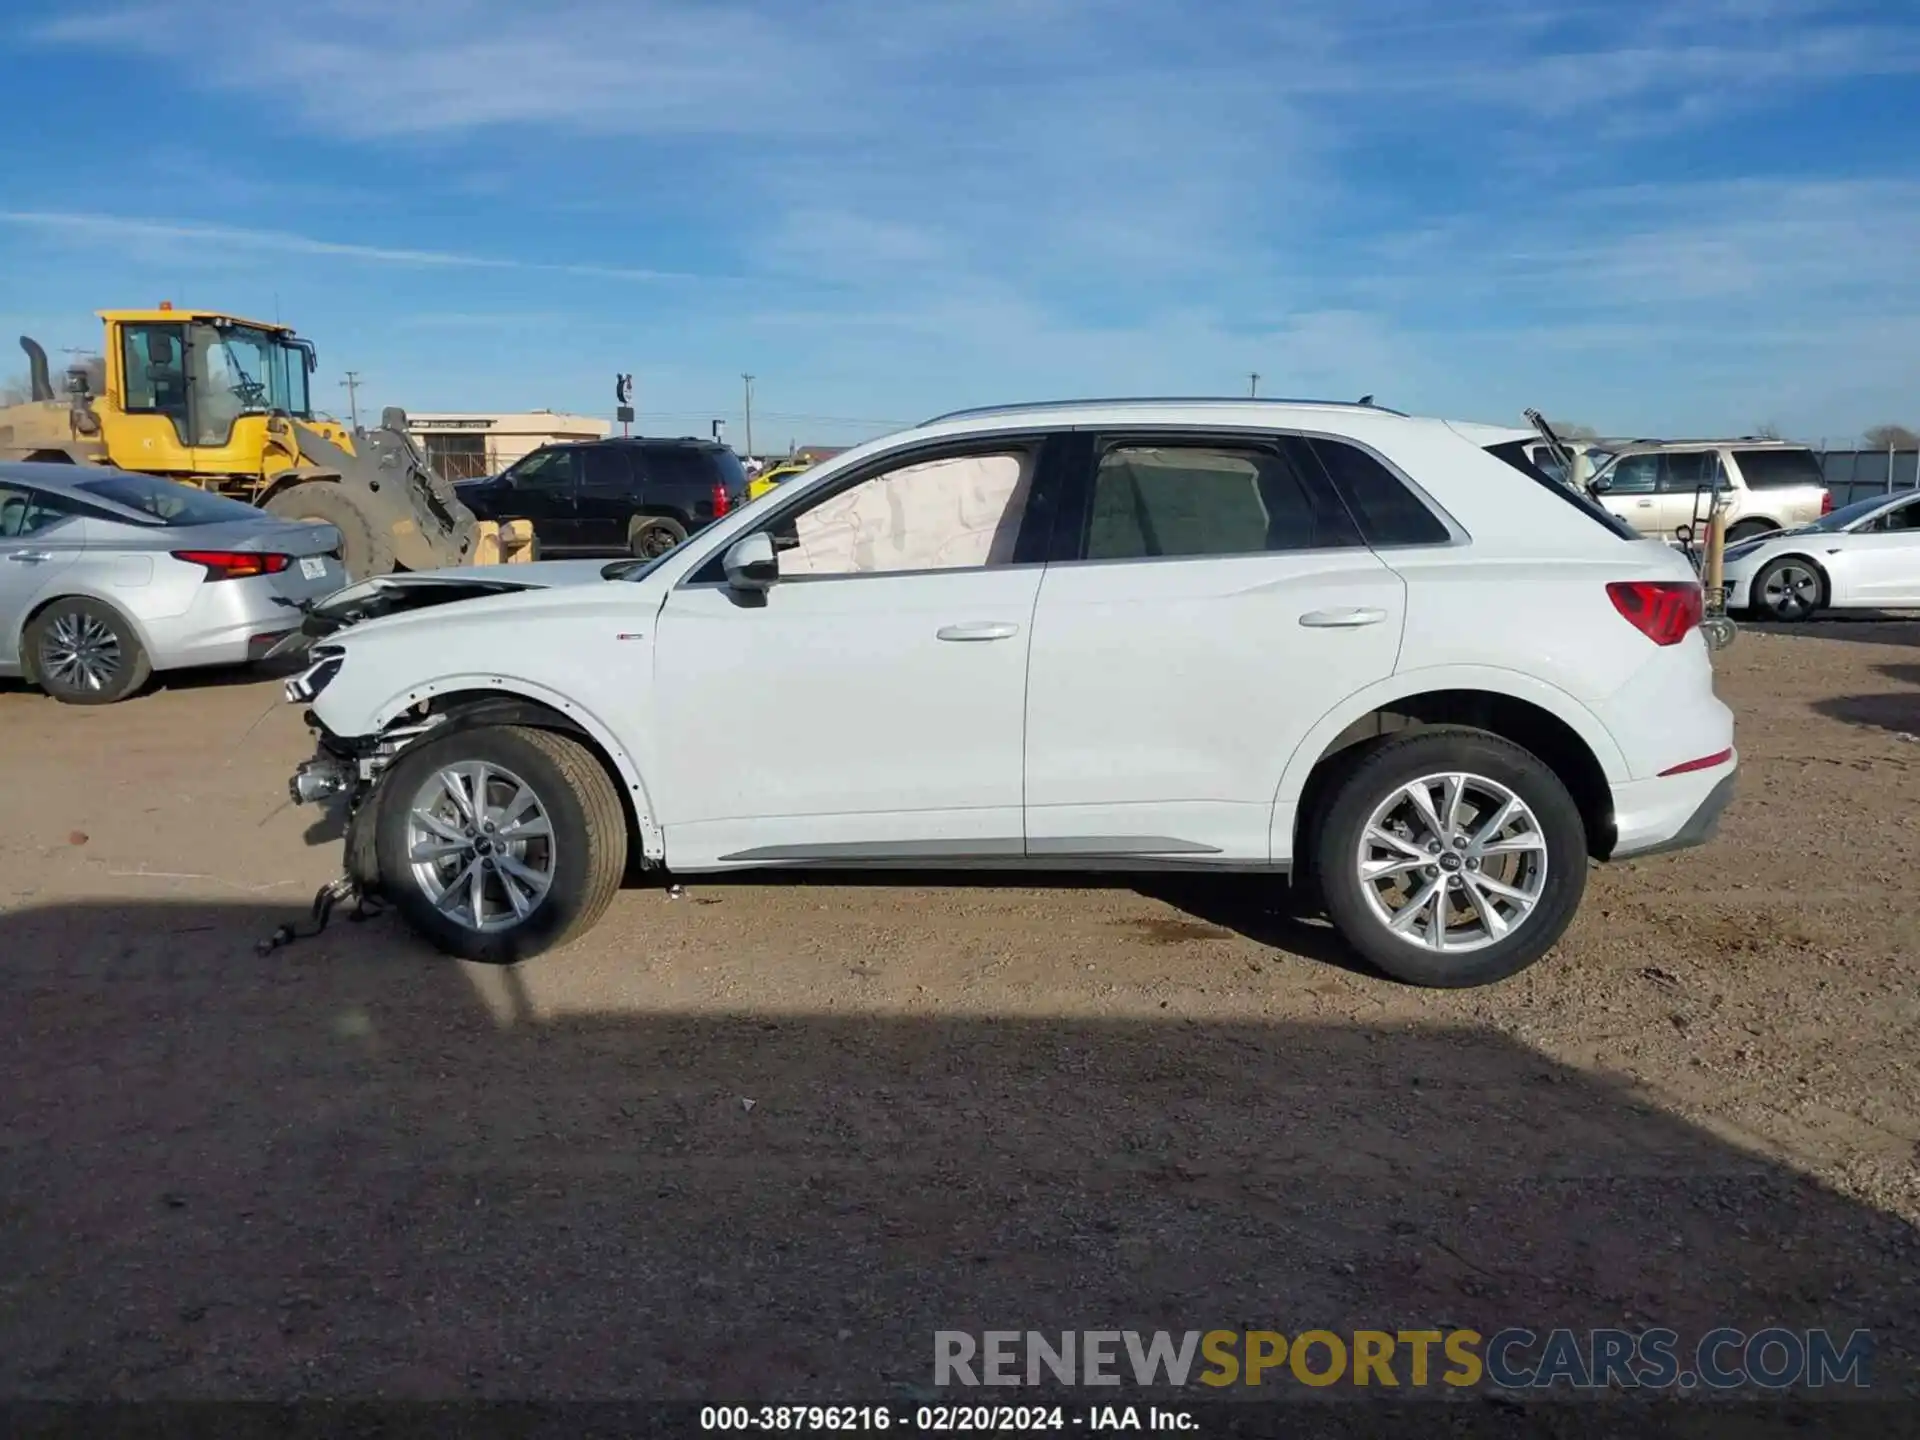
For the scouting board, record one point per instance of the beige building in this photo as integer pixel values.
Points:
(462, 445)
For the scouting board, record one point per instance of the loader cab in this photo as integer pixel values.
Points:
(183, 384)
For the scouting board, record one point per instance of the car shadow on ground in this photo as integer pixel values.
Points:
(1262, 908)
(1895, 711)
(340, 1170)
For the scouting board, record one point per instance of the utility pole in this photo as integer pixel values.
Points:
(1253, 384)
(747, 381)
(352, 386)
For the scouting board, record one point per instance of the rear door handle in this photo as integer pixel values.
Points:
(979, 630)
(1345, 619)
(1644, 504)
(31, 557)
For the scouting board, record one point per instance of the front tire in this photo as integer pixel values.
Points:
(1789, 590)
(84, 652)
(500, 842)
(1468, 885)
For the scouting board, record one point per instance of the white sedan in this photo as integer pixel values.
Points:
(1864, 556)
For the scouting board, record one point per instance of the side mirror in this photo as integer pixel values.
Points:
(1600, 484)
(750, 563)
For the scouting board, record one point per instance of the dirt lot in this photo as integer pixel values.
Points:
(353, 1168)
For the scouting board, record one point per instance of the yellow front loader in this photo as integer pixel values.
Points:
(218, 401)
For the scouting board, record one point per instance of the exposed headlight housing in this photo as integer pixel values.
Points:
(307, 685)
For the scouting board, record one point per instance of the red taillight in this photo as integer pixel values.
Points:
(1705, 762)
(722, 502)
(234, 564)
(1662, 610)
(1826, 502)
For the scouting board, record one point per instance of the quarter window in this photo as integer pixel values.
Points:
(1171, 500)
(958, 512)
(1389, 513)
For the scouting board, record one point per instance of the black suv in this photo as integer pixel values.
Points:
(635, 496)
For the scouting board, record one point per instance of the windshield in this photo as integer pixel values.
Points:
(242, 371)
(173, 505)
(1848, 514)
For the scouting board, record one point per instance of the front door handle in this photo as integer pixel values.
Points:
(1345, 619)
(979, 630)
(31, 557)
(1644, 504)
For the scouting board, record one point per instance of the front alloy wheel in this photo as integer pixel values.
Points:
(1788, 590)
(481, 845)
(499, 842)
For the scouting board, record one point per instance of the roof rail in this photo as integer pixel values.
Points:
(1238, 400)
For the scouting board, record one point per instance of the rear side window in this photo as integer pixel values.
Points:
(1777, 469)
(167, 502)
(1170, 500)
(1388, 512)
(1515, 454)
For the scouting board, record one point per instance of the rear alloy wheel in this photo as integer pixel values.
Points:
(84, 652)
(651, 536)
(1452, 858)
(1788, 590)
(500, 842)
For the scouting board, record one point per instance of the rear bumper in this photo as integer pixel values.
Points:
(230, 622)
(1654, 817)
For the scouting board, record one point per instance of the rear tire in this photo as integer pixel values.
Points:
(1748, 530)
(651, 536)
(365, 549)
(536, 892)
(1485, 934)
(84, 652)
(1788, 590)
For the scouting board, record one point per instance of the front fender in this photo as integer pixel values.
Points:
(651, 840)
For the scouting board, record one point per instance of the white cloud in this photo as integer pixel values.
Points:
(218, 242)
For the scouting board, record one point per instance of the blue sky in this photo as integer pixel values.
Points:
(1656, 218)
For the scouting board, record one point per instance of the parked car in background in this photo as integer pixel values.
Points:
(1381, 654)
(775, 475)
(1658, 486)
(1865, 556)
(106, 577)
(618, 496)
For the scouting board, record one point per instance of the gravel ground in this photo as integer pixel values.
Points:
(764, 1139)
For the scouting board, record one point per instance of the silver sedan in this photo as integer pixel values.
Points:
(107, 576)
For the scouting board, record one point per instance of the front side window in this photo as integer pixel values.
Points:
(26, 512)
(1171, 500)
(958, 512)
(1904, 519)
(1634, 475)
(545, 470)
